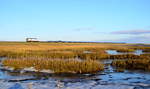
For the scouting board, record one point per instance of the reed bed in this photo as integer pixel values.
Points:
(93, 53)
(147, 55)
(127, 56)
(146, 50)
(134, 64)
(125, 50)
(93, 56)
(16, 46)
(56, 56)
(56, 65)
(143, 48)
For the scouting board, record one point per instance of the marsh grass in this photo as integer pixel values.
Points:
(66, 50)
(147, 55)
(143, 48)
(93, 56)
(127, 56)
(125, 50)
(96, 54)
(136, 64)
(146, 50)
(56, 56)
(56, 65)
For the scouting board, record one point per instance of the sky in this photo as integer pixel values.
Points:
(75, 20)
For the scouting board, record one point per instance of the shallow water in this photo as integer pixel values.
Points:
(108, 79)
(114, 52)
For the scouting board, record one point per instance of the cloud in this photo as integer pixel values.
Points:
(135, 39)
(132, 32)
(128, 39)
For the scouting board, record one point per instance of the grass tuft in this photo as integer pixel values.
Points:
(56, 65)
(139, 64)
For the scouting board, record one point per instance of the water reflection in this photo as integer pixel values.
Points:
(114, 52)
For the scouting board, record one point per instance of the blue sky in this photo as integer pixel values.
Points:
(75, 20)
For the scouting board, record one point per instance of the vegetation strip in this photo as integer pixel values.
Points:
(58, 65)
(140, 64)
(56, 56)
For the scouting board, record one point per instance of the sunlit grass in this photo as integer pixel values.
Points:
(65, 50)
(15, 46)
(56, 65)
(56, 56)
(61, 54)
